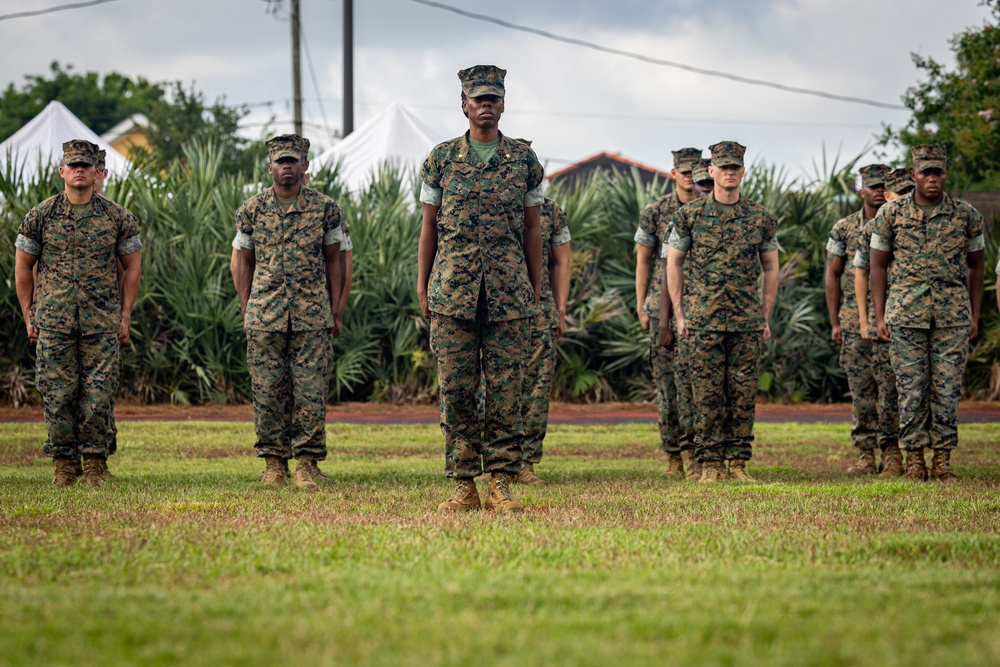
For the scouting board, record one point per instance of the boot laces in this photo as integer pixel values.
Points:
(503, 486)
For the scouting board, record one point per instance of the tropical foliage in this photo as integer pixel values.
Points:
(188, 343)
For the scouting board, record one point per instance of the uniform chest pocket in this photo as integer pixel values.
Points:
(307, 232)
(909, 239)
(707, 234)
(459, 188)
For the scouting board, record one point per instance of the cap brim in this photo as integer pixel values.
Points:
(872, 184)
(924, 165)
(483, 91)
(726, 162)
(277, 155)
(684, 168)
(79, 160)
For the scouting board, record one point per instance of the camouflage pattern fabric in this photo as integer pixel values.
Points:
(856, 360)
(653, 232)
(929, 281)
(727, 153)
(845, 241)
(289, 280)
(862, 260)
(289, 376)
(661, 366)
(724, 368)
(480, 228)
(77, 288)
(555, 232)
(682, 378)
(481, 80)
(888, 403)
(928, 364)
(81, 151)
(77, 377)
(536, 390)
(465, 350)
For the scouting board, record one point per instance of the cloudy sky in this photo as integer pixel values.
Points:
(571, 101)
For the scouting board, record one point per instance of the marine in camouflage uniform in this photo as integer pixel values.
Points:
(288, 280)
(931, 312)
(897, 184)
(703, 182)
(717, 247)
(673, 399)
(478, 281)
(546, 327)
(78, 316)
(856, 351)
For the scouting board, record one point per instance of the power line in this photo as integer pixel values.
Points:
(658, 61)
(52, 10)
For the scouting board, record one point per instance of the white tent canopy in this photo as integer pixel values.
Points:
(395, 135)
(40, 141)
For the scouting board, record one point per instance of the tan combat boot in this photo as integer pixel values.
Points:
(693, 468)
(94, 470)
(675, 465)
(78, 466)
(712, 471)
(275, 471)
(284, 465)
(941, 466)
(526, 475)
(305, 472)
(892, 462)
(916, 467)
(465, 497)
(65, 474)
(865, 464)
(499, 498)
(738, 471)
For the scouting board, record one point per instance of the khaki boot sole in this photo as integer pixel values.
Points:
(505, 506)
(449, 507)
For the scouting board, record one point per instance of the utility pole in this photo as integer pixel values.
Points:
(296, 69)
(348, 67)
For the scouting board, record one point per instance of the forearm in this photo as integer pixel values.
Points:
(977, 276)
(877, 285)
(25, 281)
(560, 280)
(769, 291)
(334, 276)
(427, 247)
(131, 276)
(833, 295)
(533, 248)
(347, 276)
(244, 278)
(666, 307)
(861, 294)
(675, 282)
(643, 269)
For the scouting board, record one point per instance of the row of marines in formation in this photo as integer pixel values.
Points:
(493, 282)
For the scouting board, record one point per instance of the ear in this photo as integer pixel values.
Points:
(674, 174)
(502, 109)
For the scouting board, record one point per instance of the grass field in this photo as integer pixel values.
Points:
(183, 559)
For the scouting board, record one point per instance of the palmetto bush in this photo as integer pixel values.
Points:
(188, 343)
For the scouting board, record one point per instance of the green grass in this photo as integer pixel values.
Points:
(184, 559)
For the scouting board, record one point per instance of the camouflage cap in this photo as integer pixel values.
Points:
(873, 174)
(929, 156)
(899, 180)
(102, 158)
(685, 158)
(286, 145)
(700, 172)
(482, 80)
(77, 151)
(304, 147)
(727, 153)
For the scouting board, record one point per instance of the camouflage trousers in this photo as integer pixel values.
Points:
(77, 377)
(290, 377)
(682, 379)
(468, 351)
(661, 367)
(929, 364)
(856, 360)
(888, 404)
(724, 369)
(112, 424)
(536, 388)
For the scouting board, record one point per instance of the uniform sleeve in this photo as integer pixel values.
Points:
(332, 218)
(536, 174)
(346, 244)
(430, 182)
(128, 236)
(645, 233)
(975, 232)
(680, 235)
(883, 235)
(769, 242)
(836, 244)
(560, 229)
(244, 229)
(861, 257)
(29, 234)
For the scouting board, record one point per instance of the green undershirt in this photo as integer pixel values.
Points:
(485, 150)
(726, 209)
(286, 204)
(80, 209)
(929, 211)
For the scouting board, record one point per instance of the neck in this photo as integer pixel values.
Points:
(289, 192)
(924, 201)
(483, 135)
(686, 196)
(79, 196)
(727, 196)
(870, 211)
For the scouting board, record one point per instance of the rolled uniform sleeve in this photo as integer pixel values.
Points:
(346, 244)
(29, 234)
(431, 192)
(883, 234)
(536, 175)
(244, 230)
(680, 235)
(836, 244)
(332, 218)
(560, 229)
(128, 240)
(769, 242)
(430, 195)
(975, 232)
(645, 233)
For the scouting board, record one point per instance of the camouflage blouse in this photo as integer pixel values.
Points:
(555, 232)
(654, 232)
(845, 240)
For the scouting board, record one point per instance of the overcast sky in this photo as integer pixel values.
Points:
(571, 101)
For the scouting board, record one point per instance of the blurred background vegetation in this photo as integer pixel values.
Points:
(188, 344)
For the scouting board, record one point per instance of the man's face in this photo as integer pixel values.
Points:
(702, 188)
(727, 177)
(78, 175)
(683, 180)
(873, 196)
(99, 178)
(286, 171)
(930, 183)
(483, 112)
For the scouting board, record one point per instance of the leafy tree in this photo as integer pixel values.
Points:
(960, 108)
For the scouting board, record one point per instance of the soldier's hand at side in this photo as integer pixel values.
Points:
(643, 320)
(338, 326)
(836, 334)
(864, 330)
(666, 337)
(766, 334)
(973, 330)
(424, 308)
(883, 332)
(125, 330)
(32, 332)
(562, 326)
(682, 330)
